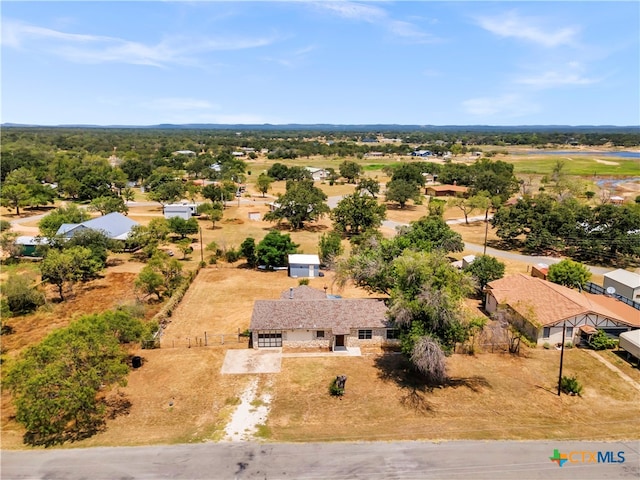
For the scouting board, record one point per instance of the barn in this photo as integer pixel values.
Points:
(302, 265)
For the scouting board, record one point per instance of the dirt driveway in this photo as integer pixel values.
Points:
(252, 361)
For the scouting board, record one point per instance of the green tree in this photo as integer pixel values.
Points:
(71, 265)
(274, 249)
(183, 227)
(569, 273)
(168, 192)
(401, 191)
(350, 170)
(219, 193)
(302, 202)
(185, 247)
(16, 189)
(356, 213)
(56, 384)
(213, 210)
(263, 183)
(248, 251)
(368, 185)
(50, 223)
(330, 247)
(150, 282)
(485, 269)
(465, 205)
(109, 204)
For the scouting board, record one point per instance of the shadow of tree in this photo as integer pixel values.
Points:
(395, 367)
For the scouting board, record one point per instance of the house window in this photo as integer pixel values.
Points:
(569, 332)
(364, 334)
(545, 332)
(320, 334)
(392, 334)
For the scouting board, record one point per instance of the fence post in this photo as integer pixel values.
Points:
(222, 339)
(205, 339)
(189, 338)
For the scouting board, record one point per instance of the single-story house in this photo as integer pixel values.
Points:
(29, 244)
(625, 283)
(115, 225)
(317, 173)
(446, 191)
(421, 153)
(306, 318)
(301, 265)
(542, 309)
(182, 210)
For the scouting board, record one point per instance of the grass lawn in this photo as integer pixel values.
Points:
(580, 165)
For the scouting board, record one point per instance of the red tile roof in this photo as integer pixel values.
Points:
(547, 303)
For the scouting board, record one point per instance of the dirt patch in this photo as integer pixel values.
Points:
(250, 413)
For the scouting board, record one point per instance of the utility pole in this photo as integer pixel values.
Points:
(201, 246)
(564, 329)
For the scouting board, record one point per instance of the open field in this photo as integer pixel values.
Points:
(579, 165)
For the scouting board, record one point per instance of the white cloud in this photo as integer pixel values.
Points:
(94, 49)
(293, 59)
(512, 25)
(376, 16)
(508, 105)
(569, 74)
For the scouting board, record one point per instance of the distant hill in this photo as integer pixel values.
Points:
(354, 128)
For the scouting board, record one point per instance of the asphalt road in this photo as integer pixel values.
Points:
(333, 461)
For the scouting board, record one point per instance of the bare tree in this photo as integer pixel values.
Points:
(429, 359)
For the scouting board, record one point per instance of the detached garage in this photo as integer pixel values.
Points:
(301, 265)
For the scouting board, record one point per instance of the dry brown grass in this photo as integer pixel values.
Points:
(492, 396)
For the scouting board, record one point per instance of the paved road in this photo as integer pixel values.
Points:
(333, 461)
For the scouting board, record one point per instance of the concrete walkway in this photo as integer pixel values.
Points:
(615, 369)
(349, 352)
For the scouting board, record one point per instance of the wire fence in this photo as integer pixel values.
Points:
(206, 339)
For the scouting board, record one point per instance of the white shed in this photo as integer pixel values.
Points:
(630, 342)
(624, 282)
(301, 265)
(182, 210)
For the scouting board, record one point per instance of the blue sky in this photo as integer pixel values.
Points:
(436, 63)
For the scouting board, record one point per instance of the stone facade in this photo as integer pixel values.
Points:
(310, 339)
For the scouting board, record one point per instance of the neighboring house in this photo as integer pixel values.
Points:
(305, 318)
(542, 309)
(317, 173)
(540, 270)
(29, 244)
(301, 265)
(114, 225)
(421, 153)
(625, 283)
(446, 191)
(189, 153)
(182, 210)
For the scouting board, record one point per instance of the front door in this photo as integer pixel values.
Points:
(339, 340)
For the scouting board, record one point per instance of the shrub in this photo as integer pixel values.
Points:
(303, 281)
(334, 389)
(5, 225)
(232, 255)
(601, 341)
(20, 294)
(568, 345)
(570, 385)
(546, 345)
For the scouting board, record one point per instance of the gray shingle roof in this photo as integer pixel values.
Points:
(303, 292)
(342, 314)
